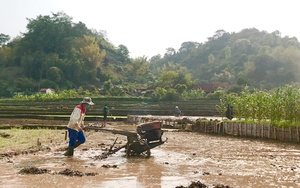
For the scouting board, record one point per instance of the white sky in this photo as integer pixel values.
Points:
(148, 27)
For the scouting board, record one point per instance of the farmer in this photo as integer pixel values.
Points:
(177, 111)
(76, 125)
(105, 112)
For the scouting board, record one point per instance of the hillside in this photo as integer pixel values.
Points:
(58, 53)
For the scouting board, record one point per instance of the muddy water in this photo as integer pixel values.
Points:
(184, 158)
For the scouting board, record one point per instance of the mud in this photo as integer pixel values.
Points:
(198, 184)
(69, 172)
(33, 170)
(186, 160)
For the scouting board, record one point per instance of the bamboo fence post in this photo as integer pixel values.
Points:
(275, 133)
(283, 133)
(298, 133)
(214, 127)
(233, 125)
(269, 129)
(251, 127)
(201, 126)
(234, 129)
(241, 129)
(291, 138)
(262, 130)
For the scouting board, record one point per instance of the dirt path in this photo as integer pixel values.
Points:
(186, 157)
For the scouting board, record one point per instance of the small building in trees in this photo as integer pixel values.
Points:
(210, 88)
(47, 91)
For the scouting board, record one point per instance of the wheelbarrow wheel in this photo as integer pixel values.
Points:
(147, 152)
(130, 151)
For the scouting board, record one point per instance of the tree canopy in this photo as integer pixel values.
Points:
(57, 52)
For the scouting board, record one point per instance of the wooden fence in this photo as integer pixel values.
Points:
(215, 125)
(263, 131)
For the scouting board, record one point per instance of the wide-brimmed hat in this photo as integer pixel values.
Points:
(87, 100)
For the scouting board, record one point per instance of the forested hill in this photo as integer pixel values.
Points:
(252, 57)
(55, 52)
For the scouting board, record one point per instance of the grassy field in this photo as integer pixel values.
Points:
(17, 139)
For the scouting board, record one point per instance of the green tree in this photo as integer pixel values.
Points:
(138, 70)
(44, 83)
(6, 89)
(6, 56)
(188, 46)
(171, 95)
(4, 39)
(122, 49)
(27, 85)
(166, 80)
(54, 74)
(49, 34)
(170, 79)
(89, 52)
(170, 51)
(211, 59)
(107, 86)
(180, 88)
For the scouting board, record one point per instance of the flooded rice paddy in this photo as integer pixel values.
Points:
(186, 157)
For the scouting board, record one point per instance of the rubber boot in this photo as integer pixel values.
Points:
(77, 144)
(69, 152)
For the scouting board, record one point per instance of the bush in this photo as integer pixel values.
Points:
(171, 95)
(193, 94)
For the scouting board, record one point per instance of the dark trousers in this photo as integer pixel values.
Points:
(105, 117)
(75, 136)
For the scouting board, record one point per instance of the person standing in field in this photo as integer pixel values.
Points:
(177, 111)
(76, 125)
(105, 113)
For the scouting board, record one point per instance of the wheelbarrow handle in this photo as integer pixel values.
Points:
(111, 147)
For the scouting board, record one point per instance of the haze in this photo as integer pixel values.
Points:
(147, 27)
